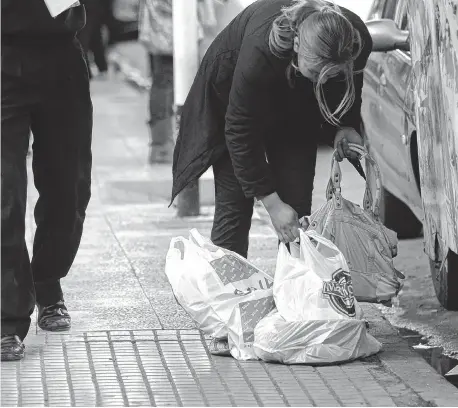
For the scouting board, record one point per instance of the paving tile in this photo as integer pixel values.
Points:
(177, 369)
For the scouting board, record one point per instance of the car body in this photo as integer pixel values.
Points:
(410, 116)
(388, 114)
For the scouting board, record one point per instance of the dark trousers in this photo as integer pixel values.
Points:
(45, 91)
(161, 92)
(91, 35)
(294, 170)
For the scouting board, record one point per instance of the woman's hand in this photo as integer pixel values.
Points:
(343, 137)
(284, 219)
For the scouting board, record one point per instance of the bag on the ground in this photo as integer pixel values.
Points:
(316, 284)
(318, 320)
(312, 342)
(209, 281)
(368, 246)
(244, 318)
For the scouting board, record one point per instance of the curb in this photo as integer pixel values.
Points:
(411, 369)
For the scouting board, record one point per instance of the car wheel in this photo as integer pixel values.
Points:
(445, 278)
(396, 216)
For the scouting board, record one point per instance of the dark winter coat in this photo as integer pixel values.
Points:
(241, 101)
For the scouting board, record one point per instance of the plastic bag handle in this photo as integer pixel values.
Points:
(312, 250)
(197, 237)
(312, 234)
(333, 190)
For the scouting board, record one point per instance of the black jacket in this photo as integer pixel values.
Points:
(241, 101)
(30, 20)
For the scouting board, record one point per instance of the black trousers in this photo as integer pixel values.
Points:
(45, 91)
(161, 92)
(293, 167)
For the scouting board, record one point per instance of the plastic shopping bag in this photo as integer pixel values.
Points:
(315, 285)
(312, 342)
(245, 316)
(368, 246)
(208, 281)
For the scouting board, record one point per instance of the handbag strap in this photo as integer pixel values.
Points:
(370, 203)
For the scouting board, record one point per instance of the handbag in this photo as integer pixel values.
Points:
(368, 246)
(156, 26)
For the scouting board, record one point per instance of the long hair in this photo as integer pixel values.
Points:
(326, 39)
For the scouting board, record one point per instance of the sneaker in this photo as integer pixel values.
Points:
(12, 348)
(54, 317)
(219, 347)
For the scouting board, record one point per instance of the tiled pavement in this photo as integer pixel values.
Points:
(117, 284)
(174, 368)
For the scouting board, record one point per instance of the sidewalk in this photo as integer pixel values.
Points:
(132, 345)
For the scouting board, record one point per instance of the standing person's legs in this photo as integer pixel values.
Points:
(293, 167)
(98, 49)
(96, 43)
(62, 128)
(18, 296)
(161, 108)
(233, 211)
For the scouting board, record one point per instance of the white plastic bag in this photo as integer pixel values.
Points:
(312, 342)
(245, 316)
(316, 285)
(208, 281)
(318, 319)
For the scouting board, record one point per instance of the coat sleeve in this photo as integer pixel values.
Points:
(248, 119)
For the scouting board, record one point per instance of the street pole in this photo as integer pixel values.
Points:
(185, 66)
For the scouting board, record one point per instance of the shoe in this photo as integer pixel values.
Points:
(219, 347)
(12, 348)
(54, 317)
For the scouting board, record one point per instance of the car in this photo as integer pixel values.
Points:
(398, 131)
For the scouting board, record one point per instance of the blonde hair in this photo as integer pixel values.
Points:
(327, 39)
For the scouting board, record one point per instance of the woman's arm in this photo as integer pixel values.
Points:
(249, 118)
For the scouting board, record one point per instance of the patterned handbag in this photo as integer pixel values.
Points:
(156, 26)
(368, 246)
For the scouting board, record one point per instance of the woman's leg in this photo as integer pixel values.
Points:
(233, 211)
(294, 171)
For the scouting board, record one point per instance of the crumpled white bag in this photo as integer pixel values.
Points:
(244, 318)
(209, 281)
(312, 342)
(318, 320)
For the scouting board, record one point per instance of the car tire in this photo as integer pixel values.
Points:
(396, 216)
(445, 278)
